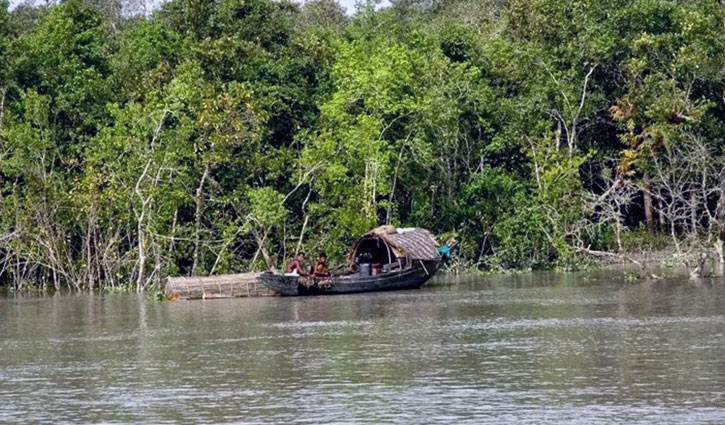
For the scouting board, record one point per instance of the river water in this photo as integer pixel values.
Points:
(541, 348)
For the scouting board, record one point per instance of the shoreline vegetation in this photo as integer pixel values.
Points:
(650, 266)
(224, 136)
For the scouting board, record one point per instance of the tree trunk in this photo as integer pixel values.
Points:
(172, 239)
(693, 212)
(268, 259)
(89, 251)
(302, 235)
(618, 233)
(648, 205)
(698, 270)
(141, 278)
(3, 90)
(261, 242)
(56, 281)
(661, 217)
(719, 266)
(141, 250)
(197, 219)
(557, 135)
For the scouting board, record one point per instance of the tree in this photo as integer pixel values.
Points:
(5, 31)
(65, 59)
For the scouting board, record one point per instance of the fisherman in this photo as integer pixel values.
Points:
(295, 267)
(320, 269)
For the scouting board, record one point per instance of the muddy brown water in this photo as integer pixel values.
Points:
(530, 349)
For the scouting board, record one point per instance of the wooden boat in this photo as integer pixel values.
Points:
(410, 278)
(398, 258)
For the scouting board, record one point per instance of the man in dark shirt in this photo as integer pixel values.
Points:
(321, 269)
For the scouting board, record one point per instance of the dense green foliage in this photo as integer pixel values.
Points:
(225, 135)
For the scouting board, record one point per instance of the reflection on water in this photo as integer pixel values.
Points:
(542, 348)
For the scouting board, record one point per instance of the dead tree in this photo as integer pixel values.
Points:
(603, 210)
(688, 187)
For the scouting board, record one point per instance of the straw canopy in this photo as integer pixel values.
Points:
(412, 243)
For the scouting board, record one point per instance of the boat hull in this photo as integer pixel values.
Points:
(411, 278)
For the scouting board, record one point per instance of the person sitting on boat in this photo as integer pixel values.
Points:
(295, 267)
(320, 269)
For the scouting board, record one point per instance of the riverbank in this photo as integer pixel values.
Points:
(642, 257)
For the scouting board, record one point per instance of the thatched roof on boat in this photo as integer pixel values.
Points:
(413, 243)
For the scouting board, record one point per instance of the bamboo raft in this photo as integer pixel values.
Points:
(222, 286)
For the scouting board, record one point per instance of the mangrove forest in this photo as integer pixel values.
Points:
(141, 140)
